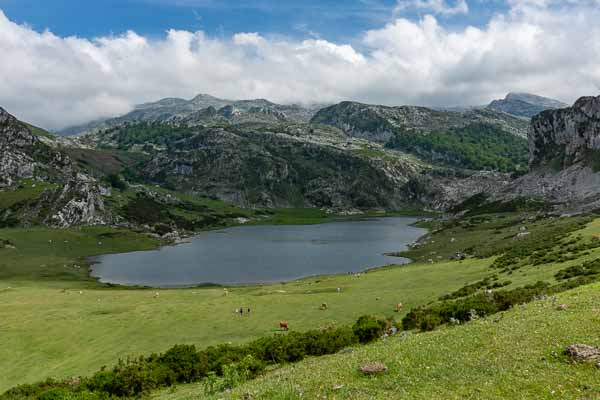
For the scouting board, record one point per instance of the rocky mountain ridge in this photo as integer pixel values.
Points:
(525, 104)
(378, 123)
(203, 110)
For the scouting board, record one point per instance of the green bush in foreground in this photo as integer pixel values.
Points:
(184, 364)
(490, 302)
(369, 328)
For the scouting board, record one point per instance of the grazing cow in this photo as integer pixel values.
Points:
(596, 238)
(156, 295)
(398, 307)
(323, 306)
(284, 325)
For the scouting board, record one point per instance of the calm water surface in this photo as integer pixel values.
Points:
(255, 254)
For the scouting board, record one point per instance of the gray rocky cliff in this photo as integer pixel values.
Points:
(566, 136)
(564, 158)
(73, 197)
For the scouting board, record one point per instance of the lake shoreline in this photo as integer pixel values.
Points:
(96, 260)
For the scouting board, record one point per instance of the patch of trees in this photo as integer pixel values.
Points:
(144, 133)
(476, 146)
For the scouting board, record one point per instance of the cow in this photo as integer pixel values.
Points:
(323, 306)
(596, 238)
(284, 325)
(398, 307)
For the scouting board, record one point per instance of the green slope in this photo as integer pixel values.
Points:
(514, 355)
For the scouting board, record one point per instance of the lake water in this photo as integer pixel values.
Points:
(256, 254)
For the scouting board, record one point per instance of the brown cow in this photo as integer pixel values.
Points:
(398, 307)
(284, 325)
(596, 238)
(324, 306)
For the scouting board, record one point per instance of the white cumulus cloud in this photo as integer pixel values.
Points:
(541, 46)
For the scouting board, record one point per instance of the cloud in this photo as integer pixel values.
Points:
(58, 81)
(434, 6)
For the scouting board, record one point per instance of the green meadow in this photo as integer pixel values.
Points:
(58, 322)
(517, 354)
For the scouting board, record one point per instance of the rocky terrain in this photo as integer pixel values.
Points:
(525, 104)
(71, 197)
(378, 123)
(202, 110)
(564, 157)
(257, 154)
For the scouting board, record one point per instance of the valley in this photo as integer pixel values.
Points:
(497, 239)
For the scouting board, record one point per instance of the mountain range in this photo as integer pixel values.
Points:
(208, 110)
(255, 153)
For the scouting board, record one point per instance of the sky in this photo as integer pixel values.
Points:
(67, 62)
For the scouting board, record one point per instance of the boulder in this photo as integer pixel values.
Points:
(373, 368)
(583, 353)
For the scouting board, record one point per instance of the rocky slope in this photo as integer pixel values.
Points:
(202, 110)
(525, 104)
(378, 123)
(71, 198)
(275, 166)
(567, 136)
(564, 157)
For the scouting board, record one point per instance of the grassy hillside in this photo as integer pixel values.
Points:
(61, 325)
(514, 355)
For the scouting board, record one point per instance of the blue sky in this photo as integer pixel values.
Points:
(102, 57)
(329, 19)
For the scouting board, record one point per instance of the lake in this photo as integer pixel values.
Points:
(263, 254)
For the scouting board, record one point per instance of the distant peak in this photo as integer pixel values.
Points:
(204, 96)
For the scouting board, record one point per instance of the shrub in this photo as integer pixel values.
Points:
(368, 328)
(482, 304)
(590, 268)
(135, 377)
(185, 362)
(116, 182)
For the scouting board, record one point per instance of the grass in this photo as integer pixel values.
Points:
(39, 131)
(27, 190)
(50, 328)
(48, 332)
(515, 355)
(45, 257)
